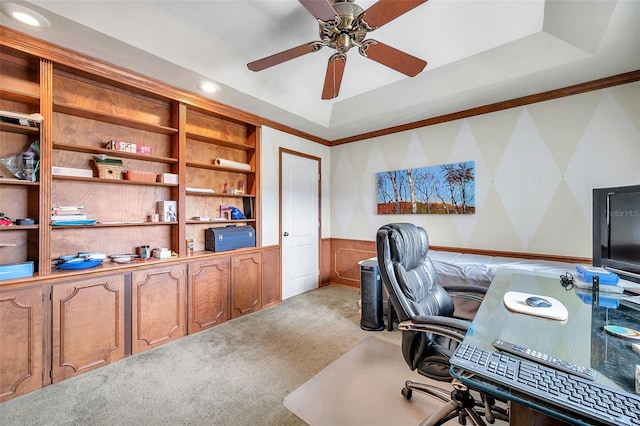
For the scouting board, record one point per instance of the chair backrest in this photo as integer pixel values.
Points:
(408, 273)
(412, 283)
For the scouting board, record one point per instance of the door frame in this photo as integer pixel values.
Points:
(281, 152)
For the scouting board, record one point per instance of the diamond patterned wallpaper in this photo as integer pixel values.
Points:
(535, 165)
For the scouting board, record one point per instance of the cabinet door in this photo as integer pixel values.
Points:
(88, 325)
(208, 293)
(271, 288)
(158, 303)
(21, 336)
(246, 284)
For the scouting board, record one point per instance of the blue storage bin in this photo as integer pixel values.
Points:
(16, 270)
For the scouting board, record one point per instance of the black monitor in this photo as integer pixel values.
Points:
(616, 230)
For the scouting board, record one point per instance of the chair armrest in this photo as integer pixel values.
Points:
(452, 328)
(470, 292)
(466, 288)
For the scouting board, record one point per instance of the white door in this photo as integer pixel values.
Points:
(300, 228)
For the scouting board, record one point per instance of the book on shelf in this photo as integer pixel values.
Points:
(67, 208)
(203, 190)
(68, 217)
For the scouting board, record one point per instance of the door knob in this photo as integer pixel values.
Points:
(286, 234)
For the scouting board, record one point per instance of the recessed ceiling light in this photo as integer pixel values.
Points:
(208, 86)
(25, 15)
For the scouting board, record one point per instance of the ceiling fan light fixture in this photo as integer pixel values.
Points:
(25, 15)
(343, 42)
(208, 86)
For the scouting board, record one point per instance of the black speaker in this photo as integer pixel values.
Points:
(248, 207)
(371, 296)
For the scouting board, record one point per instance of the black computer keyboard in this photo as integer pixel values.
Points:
(584, 397)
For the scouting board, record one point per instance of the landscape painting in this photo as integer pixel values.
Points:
(443, 189)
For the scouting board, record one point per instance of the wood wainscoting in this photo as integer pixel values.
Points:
(325, 261)
(340, 258)
(344, 256)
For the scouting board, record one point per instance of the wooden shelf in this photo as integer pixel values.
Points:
(19, 227)
(16, 128)
(85, 109)
(113, 181)
(219, 168)
(218, 194)
(21, 97)
(212, 222)
(10, 181)
(113, 153)
(114, 119)
(108, 265)
(221, 142)
(116, 225)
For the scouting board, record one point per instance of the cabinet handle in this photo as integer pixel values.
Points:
(286, 234)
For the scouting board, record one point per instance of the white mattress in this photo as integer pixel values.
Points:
(459, 268)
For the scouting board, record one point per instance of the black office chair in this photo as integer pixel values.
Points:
(431, 331)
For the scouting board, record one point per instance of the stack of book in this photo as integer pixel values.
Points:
(69, 215)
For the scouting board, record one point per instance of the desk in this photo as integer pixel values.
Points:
(580, 339)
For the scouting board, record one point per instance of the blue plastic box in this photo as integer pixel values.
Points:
(16, 270)
(586, 274)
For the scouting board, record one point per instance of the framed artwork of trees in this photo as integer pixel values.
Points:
(443, 189)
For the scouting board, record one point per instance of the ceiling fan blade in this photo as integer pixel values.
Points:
(385, 11)
(333, 78)
(320, 9)
(392, 57)
(284, 56)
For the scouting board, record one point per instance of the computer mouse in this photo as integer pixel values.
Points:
(537, 302)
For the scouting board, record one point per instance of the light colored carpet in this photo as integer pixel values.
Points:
(240, 372)
(362, 387)
(236, 373)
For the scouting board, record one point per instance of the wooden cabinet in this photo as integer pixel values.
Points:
(271, 286)
(93, 318)
(252, 280)
(246, 283)
(158, 300)
(99, 320)
(208, 293)
(88, 325)
(21, 337)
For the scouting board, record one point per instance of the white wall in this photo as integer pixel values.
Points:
(535, 169)
(272, 141)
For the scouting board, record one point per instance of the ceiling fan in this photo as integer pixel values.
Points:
(343, 25)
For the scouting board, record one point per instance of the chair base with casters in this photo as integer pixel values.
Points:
(459, 403)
